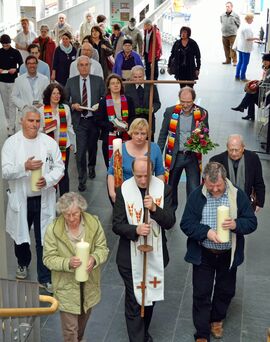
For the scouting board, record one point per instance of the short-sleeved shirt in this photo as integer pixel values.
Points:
(156, 158)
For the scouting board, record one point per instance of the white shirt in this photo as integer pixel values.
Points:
(95, 69)
(31, 149)
(24, 40)
(88, 92)
(243, 34)
(22, 93)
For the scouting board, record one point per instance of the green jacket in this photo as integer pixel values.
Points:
(57, 252)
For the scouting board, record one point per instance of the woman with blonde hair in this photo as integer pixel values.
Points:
(244, 44)
(135, 148)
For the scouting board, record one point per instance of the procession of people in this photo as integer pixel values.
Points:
(81, 98)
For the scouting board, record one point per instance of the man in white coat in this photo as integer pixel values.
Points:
(28, 88)
(23, 154)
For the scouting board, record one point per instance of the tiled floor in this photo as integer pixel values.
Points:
(248, 316)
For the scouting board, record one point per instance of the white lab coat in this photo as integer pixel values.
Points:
(22, 93)
(13, 170)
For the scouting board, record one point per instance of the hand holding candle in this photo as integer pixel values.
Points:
(82, 252)
(223, 213)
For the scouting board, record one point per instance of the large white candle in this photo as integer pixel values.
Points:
(117, 145)
(35, 176)
(223, 213)
(117, 165)
(82, 252)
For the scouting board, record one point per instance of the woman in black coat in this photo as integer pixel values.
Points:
(185, 59)
(114, 114)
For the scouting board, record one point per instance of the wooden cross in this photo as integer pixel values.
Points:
(145, 248)
(142, 286)
(155, 282)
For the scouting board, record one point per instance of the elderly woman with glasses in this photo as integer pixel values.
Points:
(76, 299)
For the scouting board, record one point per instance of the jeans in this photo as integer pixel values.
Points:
(242, 64)
(23, 252)
(213, 289)
(189, 162)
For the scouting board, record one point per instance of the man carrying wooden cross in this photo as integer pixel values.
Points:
(128, 223)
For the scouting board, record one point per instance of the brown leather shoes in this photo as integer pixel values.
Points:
(217, 329)
(201, 340)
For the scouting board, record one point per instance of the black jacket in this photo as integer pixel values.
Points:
(187, 60)
(164, 217)
(253, 174)
(101, 116)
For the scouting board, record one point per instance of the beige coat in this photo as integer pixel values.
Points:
(57, 252)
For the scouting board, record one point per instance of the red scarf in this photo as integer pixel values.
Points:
(111, 116)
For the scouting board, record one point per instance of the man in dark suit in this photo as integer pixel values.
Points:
(178, 123)
(243, 168)
(84, 91)
(129, 225)
(140, 92)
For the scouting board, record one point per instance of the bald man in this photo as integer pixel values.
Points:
(243, 168)
(95, 67)
(128, 223)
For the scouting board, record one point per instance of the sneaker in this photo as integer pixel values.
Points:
(47, 287)
(21, 272)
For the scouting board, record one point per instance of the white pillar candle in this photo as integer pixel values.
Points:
(117, 145)
(223, 213)
(82, 252)
(117, 165)
(35, 176)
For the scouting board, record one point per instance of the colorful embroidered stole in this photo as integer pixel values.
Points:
(111, 116)
(62, 129)
(197, 115)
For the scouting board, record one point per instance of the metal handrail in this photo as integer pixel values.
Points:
(23, 312)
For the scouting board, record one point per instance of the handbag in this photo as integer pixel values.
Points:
(110, 62)
(171, 66)
(252, 87)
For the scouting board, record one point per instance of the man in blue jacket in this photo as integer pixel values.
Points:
(215, 263)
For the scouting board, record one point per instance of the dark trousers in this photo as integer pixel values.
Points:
(148, 68)
(86, 140)
(64, 182)
(23, 252)
(136, 325)
(189, 163)
(249, 101)
(213, 289)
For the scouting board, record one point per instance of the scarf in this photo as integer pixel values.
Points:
(62, 129)
(239, 179)
(66, 50)
(197, 115)
(42, 45)
(111, 116)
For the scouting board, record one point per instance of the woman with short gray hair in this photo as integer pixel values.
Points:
(76, 299)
